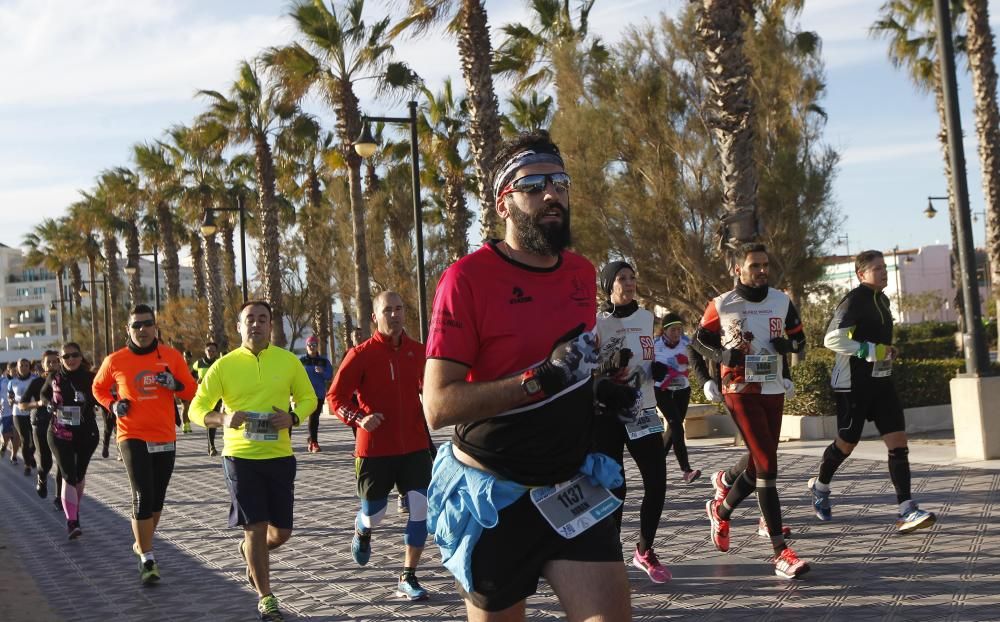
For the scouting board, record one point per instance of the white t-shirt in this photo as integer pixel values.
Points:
(676, 359)
(634, 332)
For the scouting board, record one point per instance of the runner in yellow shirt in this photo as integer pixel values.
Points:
(256, 382)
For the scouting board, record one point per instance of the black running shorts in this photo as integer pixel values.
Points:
(376, 476)
(260, 491)
(509, 559)
(879, 404)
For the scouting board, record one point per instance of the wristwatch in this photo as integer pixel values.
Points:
(531, 385)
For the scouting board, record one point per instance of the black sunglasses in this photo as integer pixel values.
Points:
(71, 355)
(531, 184)
(142, 323)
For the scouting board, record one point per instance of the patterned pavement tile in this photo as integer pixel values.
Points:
(862, 569)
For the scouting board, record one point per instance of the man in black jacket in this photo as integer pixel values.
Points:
(861, 335)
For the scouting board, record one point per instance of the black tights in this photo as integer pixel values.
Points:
(148, 475)
(648, 455)
(674, 406)
(23, 426)
(314, 422)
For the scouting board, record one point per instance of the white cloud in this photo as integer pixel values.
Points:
(882, 153)
(67, 53)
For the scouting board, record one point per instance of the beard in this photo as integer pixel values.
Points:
(541, 238)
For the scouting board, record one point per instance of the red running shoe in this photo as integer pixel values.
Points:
(789, 566)
(720, 527)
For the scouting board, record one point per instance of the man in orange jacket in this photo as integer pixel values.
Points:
(392, 446)
(138, 384)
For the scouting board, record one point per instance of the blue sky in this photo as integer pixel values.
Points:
(86, 80)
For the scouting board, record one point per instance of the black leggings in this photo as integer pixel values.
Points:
(110, 425)
(674, 406)
(314, 422)
(148, 475)
(73, 455)
(40, 432)
(23, 425)
(648, 455)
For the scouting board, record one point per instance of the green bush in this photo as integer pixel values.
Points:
(931, 348)
(813, 395)
(925, 382)
(903, 333)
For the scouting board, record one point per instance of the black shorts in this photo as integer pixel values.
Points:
(877, 403)
(508, 560)
(376, 476)
(260, 490)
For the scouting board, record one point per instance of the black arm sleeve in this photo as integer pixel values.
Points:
(704, 356)
(793, 328)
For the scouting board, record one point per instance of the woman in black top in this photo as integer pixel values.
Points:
(72, 434)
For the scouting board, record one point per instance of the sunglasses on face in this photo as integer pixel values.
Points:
(532, 184)
(69, 356)
(142, 324)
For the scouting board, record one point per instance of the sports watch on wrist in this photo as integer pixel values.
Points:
(531, 385)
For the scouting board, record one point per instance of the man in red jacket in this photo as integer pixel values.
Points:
(392, 446)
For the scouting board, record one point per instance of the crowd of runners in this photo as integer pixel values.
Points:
(545, 386)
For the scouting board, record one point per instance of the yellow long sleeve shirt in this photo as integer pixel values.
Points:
(245, 382)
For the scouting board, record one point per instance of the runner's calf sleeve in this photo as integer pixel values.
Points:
(371, 513)
(899, 472)
(832, 459)
(737, 469)
(739, 491)
(770, 509)
(416, 526)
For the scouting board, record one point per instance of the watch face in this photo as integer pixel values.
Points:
(532, 386)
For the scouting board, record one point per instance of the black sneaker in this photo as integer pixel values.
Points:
(42, 486)
(57, 502)
(73, 529)
(104, 451)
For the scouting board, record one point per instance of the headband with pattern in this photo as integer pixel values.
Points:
(519, 160)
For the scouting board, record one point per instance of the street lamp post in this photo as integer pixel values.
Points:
(107, 317)
(976, 356)
(365, 147)
(53, 310)
(132, 265)
(208, 228)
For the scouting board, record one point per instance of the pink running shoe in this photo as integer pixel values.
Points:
(789, 566)
(720, 527)
(658, 573)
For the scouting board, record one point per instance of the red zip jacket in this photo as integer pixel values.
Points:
(386, 380)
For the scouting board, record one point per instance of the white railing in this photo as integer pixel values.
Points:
(40, 342)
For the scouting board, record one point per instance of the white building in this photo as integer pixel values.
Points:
(27, 326)
(920, 282)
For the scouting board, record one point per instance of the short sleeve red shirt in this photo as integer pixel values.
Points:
(500, 317)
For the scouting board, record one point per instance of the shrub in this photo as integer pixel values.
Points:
(903, 333)
(931, 348)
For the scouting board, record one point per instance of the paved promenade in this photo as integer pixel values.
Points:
(862, 570)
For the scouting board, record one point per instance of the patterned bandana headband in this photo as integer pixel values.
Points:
(522, 159)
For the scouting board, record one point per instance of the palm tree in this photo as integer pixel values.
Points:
(84, 218)
(159, 186)
(120, 187)
(307, 150)
(197, 151)
(47, 248)
(337, 49)
(721, 27)
(528, 114)
(251, 114)
(468, 22)
(981, 51)
(532, 54)
(440, 128)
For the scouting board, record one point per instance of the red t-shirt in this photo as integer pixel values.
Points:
(500, 317)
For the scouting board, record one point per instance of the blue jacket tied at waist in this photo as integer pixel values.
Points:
(462, 501)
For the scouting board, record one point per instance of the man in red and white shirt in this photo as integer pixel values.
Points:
(748, 331)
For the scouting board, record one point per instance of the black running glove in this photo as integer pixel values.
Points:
(573, 358)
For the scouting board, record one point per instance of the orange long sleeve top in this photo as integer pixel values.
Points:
(133, 377)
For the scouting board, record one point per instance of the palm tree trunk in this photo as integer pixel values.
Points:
(457, 222)
(75, 283)
(214, 298)
(168, 240)
(136, 293)
(271, 239)
(362, 286)
(476, 52)
(114, 282)
(95, 326)
(229, 285)
(198, 261)
(979, 46)
(721, 26)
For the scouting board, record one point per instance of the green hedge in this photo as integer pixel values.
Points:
(924, 330)
(931, 348)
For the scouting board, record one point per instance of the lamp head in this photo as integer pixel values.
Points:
(365, 145)
(208, 226)
(930, 212)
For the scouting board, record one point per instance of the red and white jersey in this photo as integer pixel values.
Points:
(750, 327)
(634, 332)
(675, 357)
